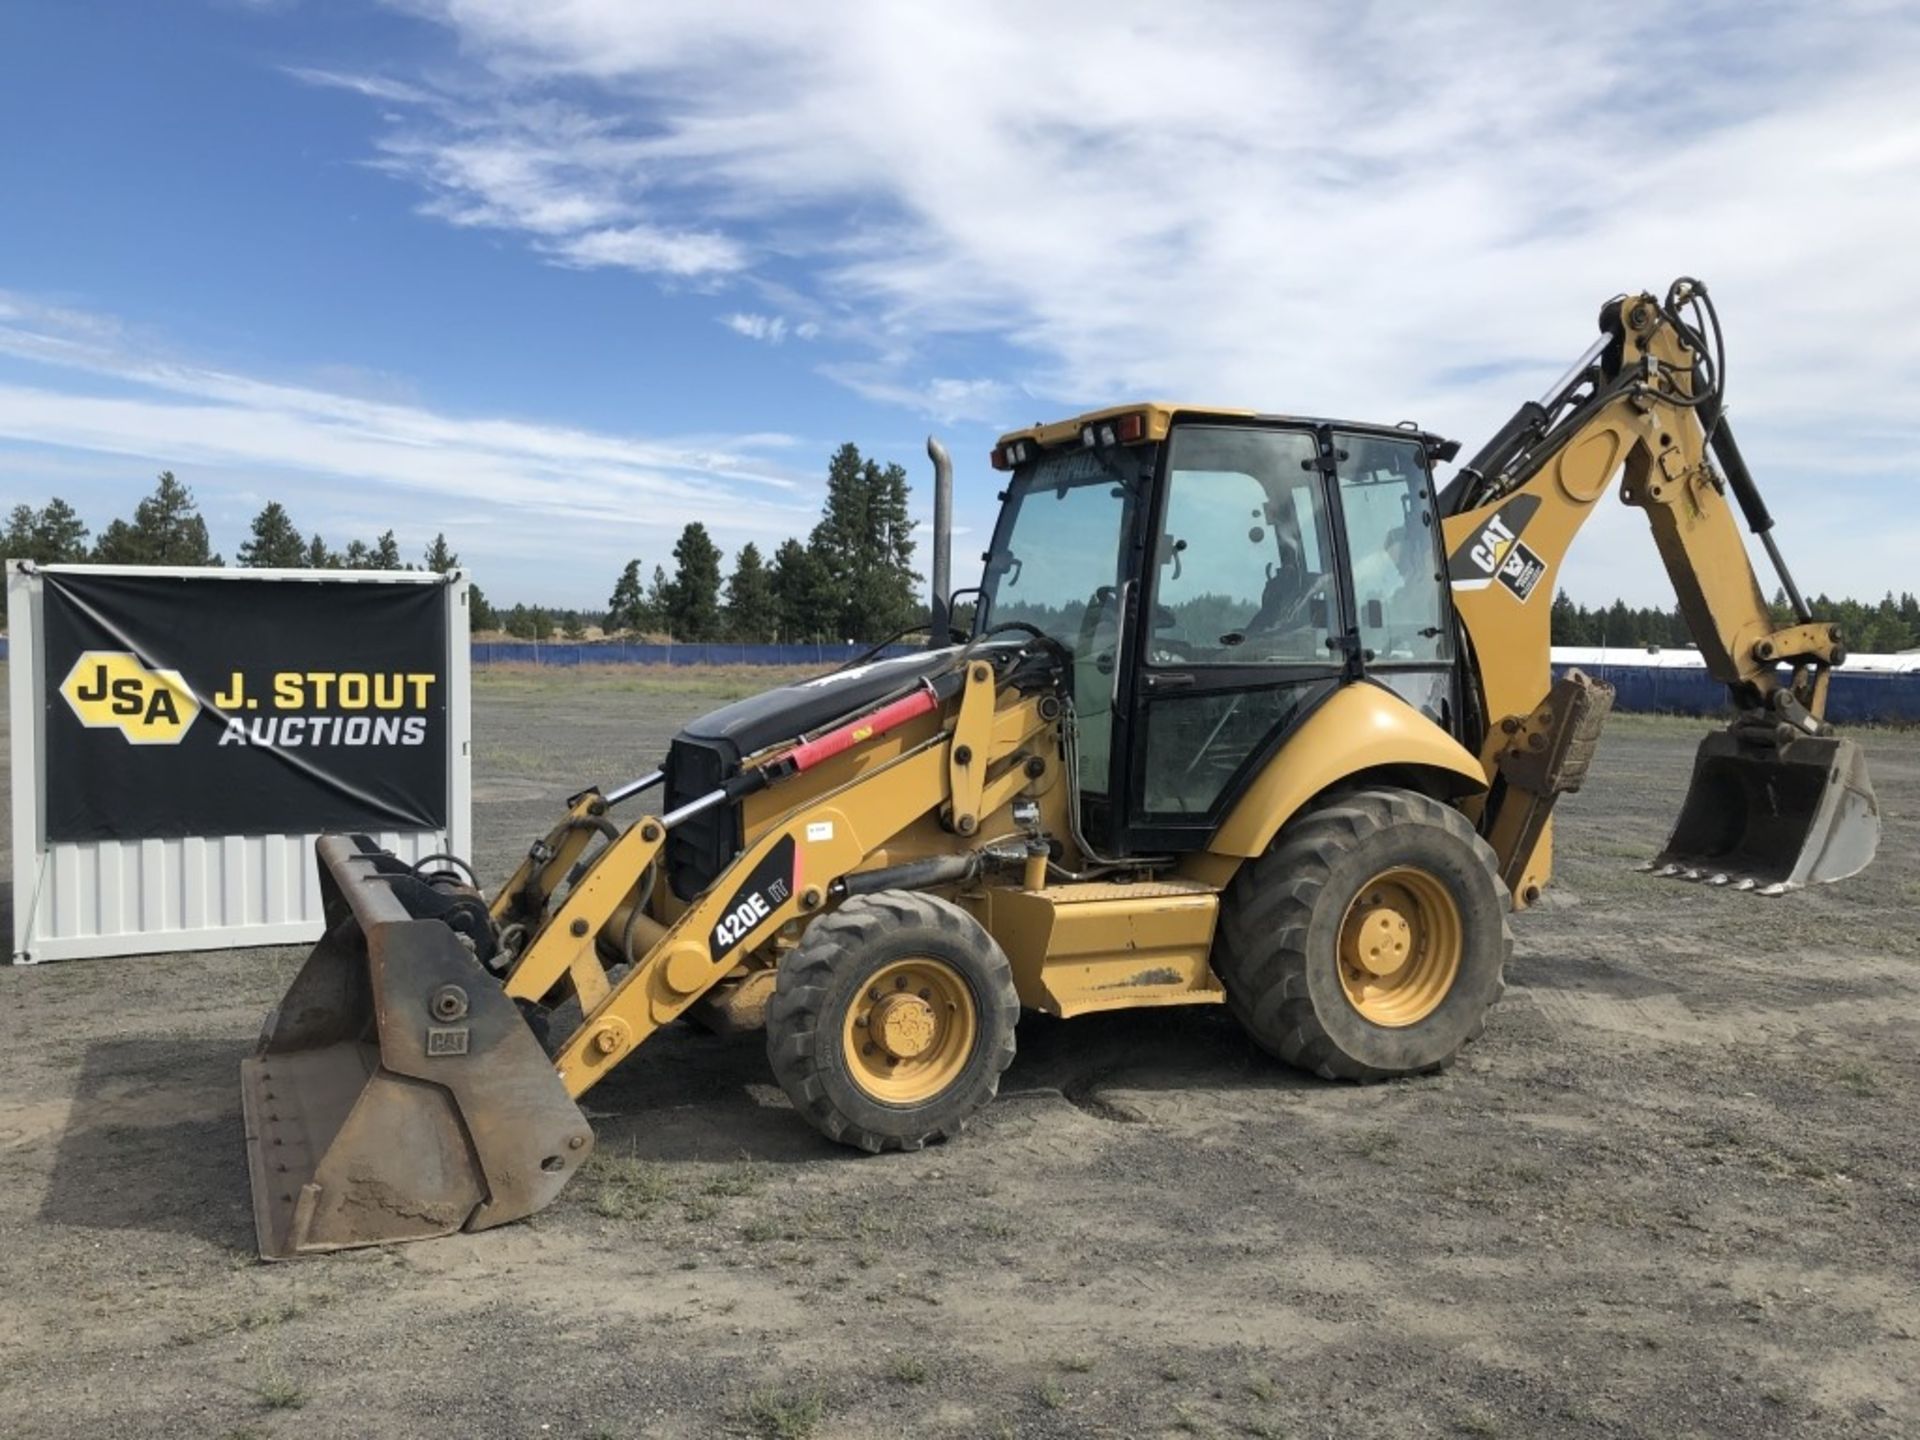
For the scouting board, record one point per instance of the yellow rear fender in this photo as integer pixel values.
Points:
(1362, 733)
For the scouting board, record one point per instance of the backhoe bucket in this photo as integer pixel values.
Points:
(396, 1093)
(1772, 817)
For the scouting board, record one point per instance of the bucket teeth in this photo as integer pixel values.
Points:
(1766, 815)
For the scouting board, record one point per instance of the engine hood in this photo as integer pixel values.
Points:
(767, 719)
(707, 753)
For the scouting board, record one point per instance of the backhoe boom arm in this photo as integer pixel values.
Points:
(1643, 406)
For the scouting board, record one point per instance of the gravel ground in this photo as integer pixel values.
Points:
(1670, 1193)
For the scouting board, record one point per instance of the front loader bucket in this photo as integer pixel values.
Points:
(396, 1093)
(1774, 816)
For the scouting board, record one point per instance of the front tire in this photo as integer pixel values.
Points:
(892, 1021)
(1371, 939)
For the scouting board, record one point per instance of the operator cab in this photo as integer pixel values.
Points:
(1216, 575)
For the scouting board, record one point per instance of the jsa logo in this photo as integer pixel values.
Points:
(112, 690)
(1494, 542)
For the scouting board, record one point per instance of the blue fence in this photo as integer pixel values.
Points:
(1852, 699)
(527, 652)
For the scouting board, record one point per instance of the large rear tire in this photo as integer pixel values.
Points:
(892, 1021)
(1370, 940)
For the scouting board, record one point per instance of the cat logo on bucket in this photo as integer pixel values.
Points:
(112, 690)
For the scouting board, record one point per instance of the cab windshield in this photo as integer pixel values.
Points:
(1056, 557)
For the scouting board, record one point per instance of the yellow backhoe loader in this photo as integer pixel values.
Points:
(1249, 712)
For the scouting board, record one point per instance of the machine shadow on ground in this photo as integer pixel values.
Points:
(153, 1142)
(702, 1097)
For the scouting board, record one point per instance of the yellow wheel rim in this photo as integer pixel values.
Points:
(910, 1031)
(1400, 947)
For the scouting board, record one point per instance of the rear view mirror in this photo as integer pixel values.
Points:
(1374, 616)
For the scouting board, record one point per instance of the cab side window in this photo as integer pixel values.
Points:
(1393, 539)
(1243, 563)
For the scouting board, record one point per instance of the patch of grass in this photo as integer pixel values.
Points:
(1476, 1421)
(735, 1181)
(701, 1208)
(1860, 1079)
(629, 1187)
(1171, 1373)
(758, 1232)
(1263, 1429)
(278, 1391)
(1375, 1144)
(995, 1229)
(1052, 1396)
(784, 1415)
(1075, 1364)
(1261, 1387)
(909, 1370)
(1186, 1421)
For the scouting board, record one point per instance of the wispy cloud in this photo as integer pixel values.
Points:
(1396, 209)
(769, 328)
(90, 389)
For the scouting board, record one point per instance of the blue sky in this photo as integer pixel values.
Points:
(559, 277)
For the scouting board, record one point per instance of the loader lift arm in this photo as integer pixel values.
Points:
(1646, 403)
(786, 873)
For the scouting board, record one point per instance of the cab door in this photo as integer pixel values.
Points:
(1238, 630)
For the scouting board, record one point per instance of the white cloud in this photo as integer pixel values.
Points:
(1400, 209)
(772, 329)
(538, 488)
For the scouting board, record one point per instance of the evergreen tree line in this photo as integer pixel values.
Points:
(851, 579)
(168, 529)
(1871, 628)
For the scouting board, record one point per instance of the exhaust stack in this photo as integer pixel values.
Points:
(942, 581)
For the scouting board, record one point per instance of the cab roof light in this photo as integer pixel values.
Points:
(1122, 430)
(1014, 452)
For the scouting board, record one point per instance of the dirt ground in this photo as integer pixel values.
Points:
(1671, 1192)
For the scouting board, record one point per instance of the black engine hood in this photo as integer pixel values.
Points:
(761, 720)
(707, 753)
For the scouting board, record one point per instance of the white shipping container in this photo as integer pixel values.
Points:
(132, 897)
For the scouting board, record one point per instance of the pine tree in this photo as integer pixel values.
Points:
(658, 589)
(693, 596)
(386, 553)
(318, 556)
(1564, 621)
(480, 615)
(804, 609)
(540, 623)
(166, 529)
(751, 610)
(275, 544)
(439, 558)
(626, 610)
(356, 556)
(572, 626)
(863, 546)
(52, 535)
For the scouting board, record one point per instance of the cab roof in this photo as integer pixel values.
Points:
(1159, 414)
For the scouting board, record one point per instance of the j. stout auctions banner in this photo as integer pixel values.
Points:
(242, 707)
